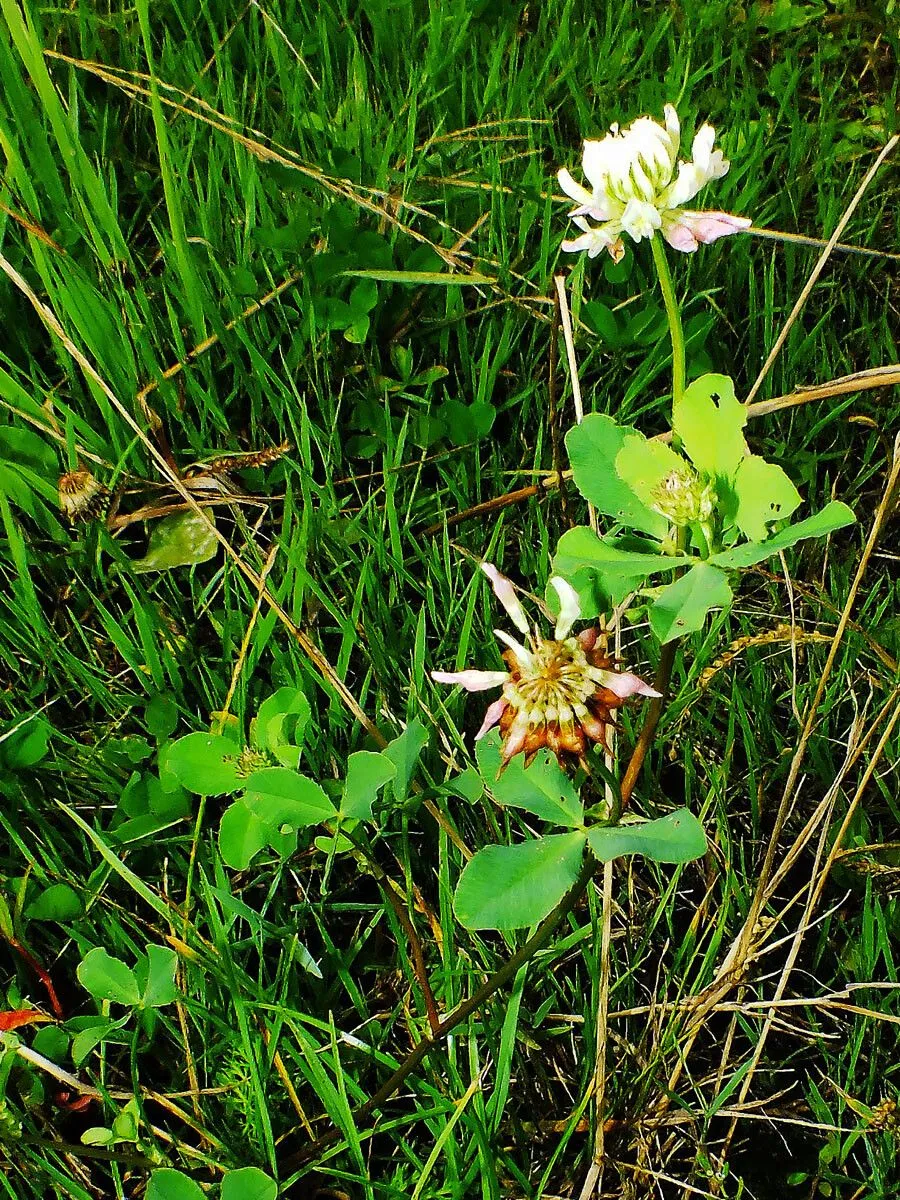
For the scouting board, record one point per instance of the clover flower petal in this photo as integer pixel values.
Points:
(685, 230)
(702, 148)
(625, 684)
(579, 194)
(640, 219)
(569, 607)
(506, 594)
(673, 128)
(594, 239)
(687, 183)
(472, 681)
(522, 655)
(492, 716)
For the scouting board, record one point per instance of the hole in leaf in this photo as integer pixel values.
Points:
(716, 398)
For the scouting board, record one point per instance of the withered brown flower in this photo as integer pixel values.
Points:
(82, 497)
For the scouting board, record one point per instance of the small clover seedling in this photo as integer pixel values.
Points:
(151, 984)
(143, 989)
(274, 799)
(125, 1127)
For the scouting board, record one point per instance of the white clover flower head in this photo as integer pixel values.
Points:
(559, 692)
(639, 187)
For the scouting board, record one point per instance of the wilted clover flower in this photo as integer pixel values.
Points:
(558, 692)
(82, 497)
(636, 189)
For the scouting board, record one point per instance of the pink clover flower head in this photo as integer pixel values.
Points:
(640, 187)
(558, 692)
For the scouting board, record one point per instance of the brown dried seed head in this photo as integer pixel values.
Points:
(82, 497)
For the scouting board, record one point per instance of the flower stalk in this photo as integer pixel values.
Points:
(673, 316)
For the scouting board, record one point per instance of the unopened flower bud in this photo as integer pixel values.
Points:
(250, 760)
(683, 498)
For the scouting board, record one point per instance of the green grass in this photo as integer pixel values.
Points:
(165, 166)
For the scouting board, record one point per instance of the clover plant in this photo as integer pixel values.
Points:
(682, 514)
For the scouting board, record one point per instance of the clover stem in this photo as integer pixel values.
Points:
(655, 707)
(676, 333)
(703, 543)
